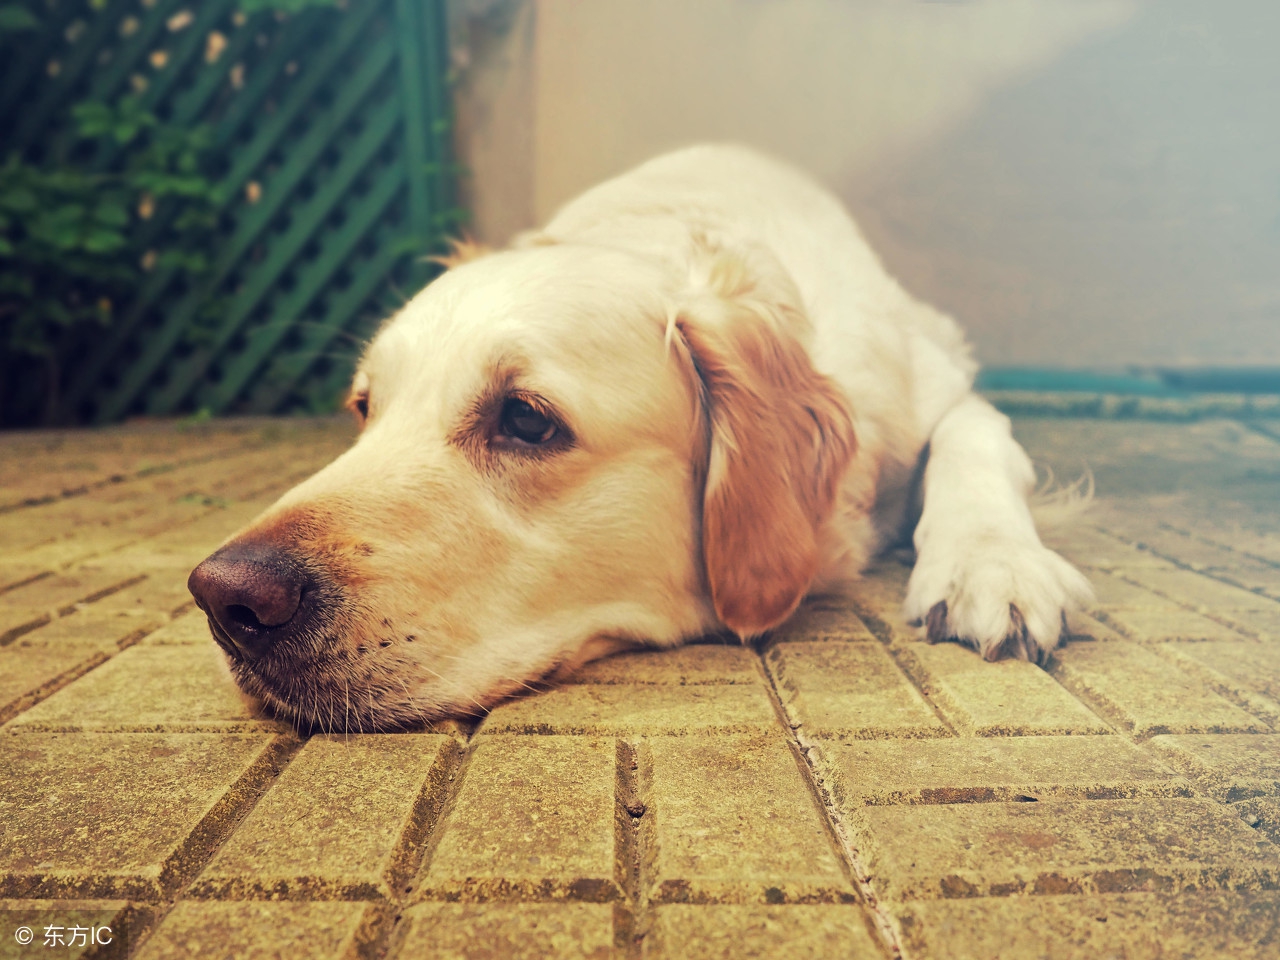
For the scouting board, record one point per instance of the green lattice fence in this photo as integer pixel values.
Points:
(328, 155)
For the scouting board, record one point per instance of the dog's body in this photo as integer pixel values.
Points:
(691, 399)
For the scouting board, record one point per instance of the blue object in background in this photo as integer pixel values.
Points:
(1047, 380)
(1157, 382)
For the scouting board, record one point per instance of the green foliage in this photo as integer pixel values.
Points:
(110, 221)
(16, 17)
(284, 6)
(71, 238)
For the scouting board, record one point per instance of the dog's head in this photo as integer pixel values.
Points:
(564, 450)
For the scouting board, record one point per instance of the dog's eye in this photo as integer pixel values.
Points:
(360, 405)
(524, 422)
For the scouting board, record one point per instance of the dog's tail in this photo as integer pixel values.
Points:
(1055, 505)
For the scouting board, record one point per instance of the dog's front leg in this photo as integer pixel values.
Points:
(982, 576)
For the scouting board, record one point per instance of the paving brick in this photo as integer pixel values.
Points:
(341, 823)
(1228, 766)
(1196, 590)
(1261, 813)
(120, 815)
(1239, 530)
(112, 630)
(878, 596)
(698, 664)
(1063, 846)
(19, 621)
(1114, 593)
(79, 545)
(1247, 670)
(621, 710)
(163, 591)
(824, 618)
(779, 933)
(151, 688)
(210, 483)
(16, 573)
(1010, 697)
(1213, 560)
(506, 931)
(1144, 693)
(79, 927)
(1003, 768)
(66, 460)
(1087, 546)
(731, 819)
(534, 820)
(65, 463)
(120, 588)
(1152, 461)
(1247, 536)
(67, 531)
(1133, 926)
(175, 551)
(132, 622)
(853, 690)
(38, 663)
(1083, 626)
(113, 517)
(190, 629)
(263, 931)
(62, 591)
(65, 551)
(1264, 624)
(160, 525)
(1161, 625)
(192, 542)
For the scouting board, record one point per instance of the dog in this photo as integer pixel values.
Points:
(693, 398)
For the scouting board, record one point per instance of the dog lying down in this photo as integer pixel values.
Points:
(693, 398)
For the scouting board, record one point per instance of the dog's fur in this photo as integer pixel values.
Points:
(748, 409)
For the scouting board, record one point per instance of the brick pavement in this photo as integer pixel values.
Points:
(843, 790)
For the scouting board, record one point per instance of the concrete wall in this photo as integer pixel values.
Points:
(1082, 182)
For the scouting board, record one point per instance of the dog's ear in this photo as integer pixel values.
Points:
(781, 436)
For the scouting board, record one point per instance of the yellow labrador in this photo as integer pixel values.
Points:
(693, 398)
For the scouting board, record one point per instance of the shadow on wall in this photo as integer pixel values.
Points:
(1083, 182)
(1120, 206)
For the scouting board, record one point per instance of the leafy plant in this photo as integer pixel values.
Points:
(16, 17)
(108, 191)
(285, 6)
(70, 236)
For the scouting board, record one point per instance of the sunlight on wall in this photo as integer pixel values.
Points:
(837, 87)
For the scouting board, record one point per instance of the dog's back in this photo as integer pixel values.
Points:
(902, 363)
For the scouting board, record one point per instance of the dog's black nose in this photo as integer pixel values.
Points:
(253, 595)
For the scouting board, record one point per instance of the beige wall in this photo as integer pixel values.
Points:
(1084, 182)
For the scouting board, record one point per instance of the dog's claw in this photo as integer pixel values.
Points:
(1016, 645)
(936, 623)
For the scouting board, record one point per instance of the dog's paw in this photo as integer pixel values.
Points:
(1003, 598)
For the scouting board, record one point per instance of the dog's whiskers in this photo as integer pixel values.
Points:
(346, 713)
